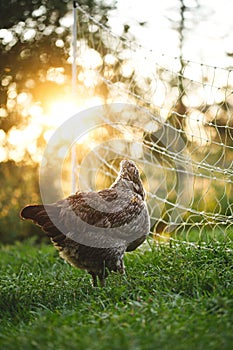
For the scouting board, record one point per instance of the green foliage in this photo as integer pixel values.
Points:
(25, 63)
(19, 187)
(171, 298)
(19, 10)
(26, 59)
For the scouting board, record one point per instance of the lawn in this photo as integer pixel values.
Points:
(172, 297)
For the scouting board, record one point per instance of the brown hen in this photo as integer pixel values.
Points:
(93, 230)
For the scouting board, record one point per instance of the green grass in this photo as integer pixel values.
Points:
(172, 297)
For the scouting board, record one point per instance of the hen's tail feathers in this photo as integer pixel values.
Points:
(46, 217)
(36, 213)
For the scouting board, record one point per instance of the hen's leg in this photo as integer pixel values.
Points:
(102, 281)
(121, 267)
(94, 279)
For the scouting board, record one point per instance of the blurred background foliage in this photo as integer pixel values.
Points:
(35, 44)
(35, 76)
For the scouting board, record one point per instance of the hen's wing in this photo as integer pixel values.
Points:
(85, 216)
(123, 213)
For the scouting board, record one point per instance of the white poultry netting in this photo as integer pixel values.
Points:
(173, 117)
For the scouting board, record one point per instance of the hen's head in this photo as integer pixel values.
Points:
(129, 177)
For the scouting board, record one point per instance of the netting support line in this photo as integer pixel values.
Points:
(74, 73)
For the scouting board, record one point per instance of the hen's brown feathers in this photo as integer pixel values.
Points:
(92, 230)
